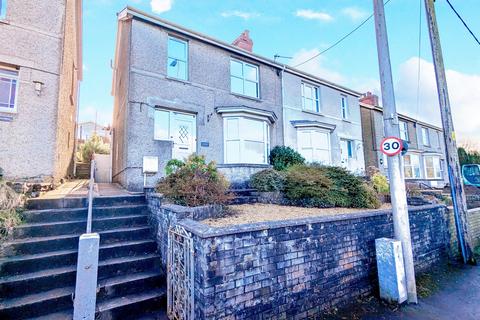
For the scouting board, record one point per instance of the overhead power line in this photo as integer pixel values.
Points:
(463, 21)
(339, 40)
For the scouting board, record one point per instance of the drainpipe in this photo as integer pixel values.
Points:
(284, 127)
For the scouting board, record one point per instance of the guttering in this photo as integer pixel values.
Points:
(147, 17)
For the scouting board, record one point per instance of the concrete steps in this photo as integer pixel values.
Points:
(38, 264)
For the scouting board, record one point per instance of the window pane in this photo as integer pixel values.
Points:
(251, 89)
(232, 129)
(4, 91)
(161, 125)
(232, 151)
(308, 92)
(251, 73)
(12, 93)
(177, 49)
(320, 140)
(236, 68)
(254, 152)
(308, 104)
(323, 156)
(252, 130)
(177, 69)
(237, 85)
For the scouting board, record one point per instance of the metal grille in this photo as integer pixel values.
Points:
(180, 275)
(183, 134)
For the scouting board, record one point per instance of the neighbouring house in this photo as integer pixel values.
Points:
(40, 71)
(177, 92)
(86, 129)
(425, 160)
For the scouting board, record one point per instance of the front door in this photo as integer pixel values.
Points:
(184, 135)
(344, 153)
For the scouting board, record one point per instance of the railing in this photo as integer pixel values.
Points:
(90, 196)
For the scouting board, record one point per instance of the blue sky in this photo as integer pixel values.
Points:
(300, 29)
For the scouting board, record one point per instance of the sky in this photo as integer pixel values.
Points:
(300, 29)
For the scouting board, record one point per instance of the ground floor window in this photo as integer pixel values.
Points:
(412, 166)
(433, 168)
(246, 140)
(314, 145)
(8, 90)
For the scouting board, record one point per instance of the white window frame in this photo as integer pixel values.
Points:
(425, 137)
(403, 127)
(156, 135)
(313, 130)
(11, 78)
(344, 108)
(257, 83)
(3, 9)
(241, 139)
(437, 171)
(315, 99)
(184, 42)
(412, 166)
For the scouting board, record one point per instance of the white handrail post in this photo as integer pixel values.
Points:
(90, 197)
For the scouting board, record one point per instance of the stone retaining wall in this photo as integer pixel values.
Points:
(297, 268)
(474, 228)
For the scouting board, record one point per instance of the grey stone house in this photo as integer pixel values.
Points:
(40, 70)
(425, 160)
(177, 91)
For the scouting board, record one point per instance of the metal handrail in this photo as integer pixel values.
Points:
(90, 196)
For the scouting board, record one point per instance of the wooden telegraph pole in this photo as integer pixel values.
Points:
(454, 175)
(401, 222)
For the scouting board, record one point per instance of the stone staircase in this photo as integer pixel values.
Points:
(244, 196)
(38, 262)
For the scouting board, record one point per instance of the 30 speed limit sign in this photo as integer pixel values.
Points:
(391, 146)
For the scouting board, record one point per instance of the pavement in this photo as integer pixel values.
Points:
(456, 296)
(79, 188)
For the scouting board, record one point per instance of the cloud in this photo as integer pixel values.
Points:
(463, 92)
(355, 13)
(316, 66)
(240, 14)
(314, 15)
(160, 6)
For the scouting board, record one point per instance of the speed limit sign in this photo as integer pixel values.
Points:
(391, 146)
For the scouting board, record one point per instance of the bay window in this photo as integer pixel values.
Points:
(433, 169)
(310, 98)
(244, 78)
(314, 145)
(8, 90)
(412, 166)
(246, 140)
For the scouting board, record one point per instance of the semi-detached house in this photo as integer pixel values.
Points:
(178, 92)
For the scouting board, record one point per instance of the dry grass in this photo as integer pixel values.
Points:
(259, 212)
(10, 202)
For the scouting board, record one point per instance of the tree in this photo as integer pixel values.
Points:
(93, 145)
(468, 157)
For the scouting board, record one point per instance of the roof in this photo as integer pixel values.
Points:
(401, 116)
(153, 19)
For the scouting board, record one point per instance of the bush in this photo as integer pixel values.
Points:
(282, 157)
(10, 209)
(173, 165)
(93, 145)
(195, 183)
(380, 183)
(268, 180)
(323, 186)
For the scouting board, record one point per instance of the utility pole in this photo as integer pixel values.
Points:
(401, 224)
(454, 175)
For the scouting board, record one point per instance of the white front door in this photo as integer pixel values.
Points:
(344, 153)
(184, 135)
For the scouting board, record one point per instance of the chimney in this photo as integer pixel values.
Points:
(369, 98)
(243, 41)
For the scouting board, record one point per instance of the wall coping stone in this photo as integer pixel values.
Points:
(204, 231)
(243, 165)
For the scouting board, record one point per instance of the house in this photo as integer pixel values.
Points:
(40, 71)
(177, 92)
(424, 162)
(86, 129)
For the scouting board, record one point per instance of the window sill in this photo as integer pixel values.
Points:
(178, 80)
(347, 120)
(313, 112)
(9, 111)
(246, 97)
(4, 21)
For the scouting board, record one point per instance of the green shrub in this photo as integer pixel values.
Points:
(93, 145)
(380, 183)
(282, 157)
(323, 186)
(195, 183)
(173, 165)
(268, 180)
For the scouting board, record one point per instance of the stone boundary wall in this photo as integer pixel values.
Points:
(298, 268)
(473, 200)
(474, 227)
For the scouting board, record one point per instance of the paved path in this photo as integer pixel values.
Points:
(79, 188)
(457, 298)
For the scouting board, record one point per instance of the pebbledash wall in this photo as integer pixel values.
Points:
(282, 269)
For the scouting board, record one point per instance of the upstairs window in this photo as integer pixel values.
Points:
(244, 78)
(425, 137)
(403, 130)
(310, 98)
(177, 58)
(8, 90)
(344, 106)
(3, 9)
